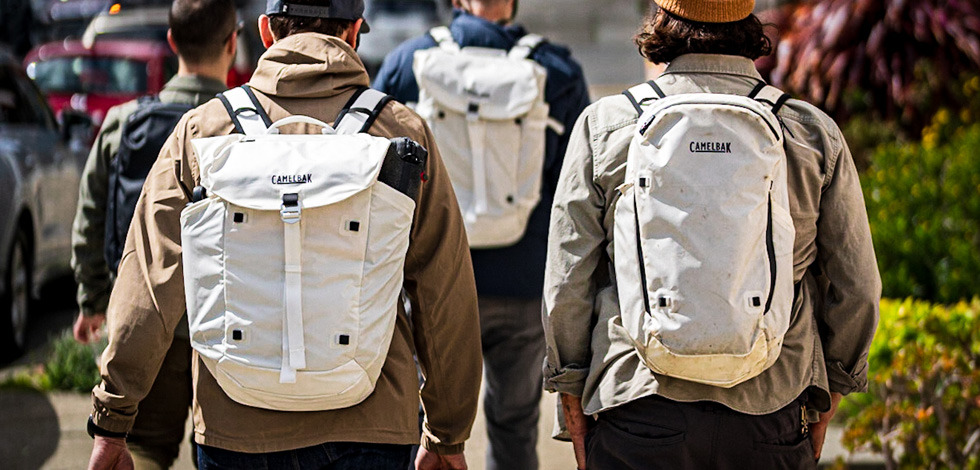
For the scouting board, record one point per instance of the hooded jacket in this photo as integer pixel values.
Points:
(314, 75)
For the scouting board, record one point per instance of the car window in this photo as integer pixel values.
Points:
(90, 75)
(15, 107)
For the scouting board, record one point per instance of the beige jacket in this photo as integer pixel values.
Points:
(313, 75)
(838, 287)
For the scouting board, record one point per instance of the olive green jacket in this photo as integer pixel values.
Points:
(88, 231)
(835, 311)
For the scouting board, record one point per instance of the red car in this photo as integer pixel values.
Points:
(94, 79)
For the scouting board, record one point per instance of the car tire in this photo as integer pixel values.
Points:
(16, 302)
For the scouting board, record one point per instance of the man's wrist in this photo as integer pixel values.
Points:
(95, 430)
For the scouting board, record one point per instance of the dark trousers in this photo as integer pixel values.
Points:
(513, 351)
(329, 456)
(159, 428)
(656, 433)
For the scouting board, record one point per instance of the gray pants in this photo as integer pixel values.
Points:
(513, 351)
(656, 433)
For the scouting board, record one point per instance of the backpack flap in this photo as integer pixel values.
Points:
(483, 83)
(323, 170)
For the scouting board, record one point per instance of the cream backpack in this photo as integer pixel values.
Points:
(703, 234)
(487, 111)
(294, 251)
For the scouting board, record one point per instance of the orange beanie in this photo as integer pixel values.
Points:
(709, 11)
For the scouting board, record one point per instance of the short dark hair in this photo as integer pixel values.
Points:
(200, 28)
(665, 36)
(284, 25)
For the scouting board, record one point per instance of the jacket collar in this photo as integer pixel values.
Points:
(309, 65)
(194, 84)
(714, 63)
(476, 31)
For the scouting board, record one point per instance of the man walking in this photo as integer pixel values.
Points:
(203, 35)
(711, 289)
(309, 69)
(509, 272)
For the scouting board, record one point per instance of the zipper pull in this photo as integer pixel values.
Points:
(804, 423)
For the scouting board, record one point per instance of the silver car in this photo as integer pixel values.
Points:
(40, 168)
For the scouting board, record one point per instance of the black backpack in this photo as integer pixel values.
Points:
(143, 135)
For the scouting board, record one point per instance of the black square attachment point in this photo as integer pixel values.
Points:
(343, 340)
(441, 115)
(756, 301)
(237, 335)
(510, 199)
(238, 217)
(473, 108)
(644, 182)
(663, 302)
(354, 226)
(519, 121)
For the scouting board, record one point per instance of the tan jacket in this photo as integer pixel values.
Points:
(313, 75)
(836, 308)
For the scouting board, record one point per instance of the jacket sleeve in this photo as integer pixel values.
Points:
(575, 249)
(88, 230)
(446, 328)
(845, 254)
(148, 299)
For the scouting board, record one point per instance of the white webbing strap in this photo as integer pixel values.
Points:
(478, 147)
(361, 113)
(444, 37)
(525, 46)
(294, 347)
(773, 96)
(243, 111)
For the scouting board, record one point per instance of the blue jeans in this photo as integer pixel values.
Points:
(328, 456)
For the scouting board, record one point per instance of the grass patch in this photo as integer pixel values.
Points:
(70, 367)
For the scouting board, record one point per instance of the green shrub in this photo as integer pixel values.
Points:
(72, 366)
(924, 208)
(923, 409)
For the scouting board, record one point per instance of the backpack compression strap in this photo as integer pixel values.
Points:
(644, 93)
(444, 38)
(245, 111)
(526, 46)
(361, 111)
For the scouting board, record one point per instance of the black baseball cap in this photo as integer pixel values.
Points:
(337, 9)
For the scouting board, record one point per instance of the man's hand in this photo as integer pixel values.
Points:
(110, 453)
(577, 424)
(87, 327)
(428, 460)
(818, 431)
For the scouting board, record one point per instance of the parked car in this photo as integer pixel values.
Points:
(40, 168)
(92, 80)
(148, 22)
(395, 21)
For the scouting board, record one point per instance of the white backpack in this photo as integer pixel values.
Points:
(703, 234)
(293, 254)
(487, 111)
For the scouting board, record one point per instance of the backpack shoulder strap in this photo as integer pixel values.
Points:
(644, 93)
(770, 95)
(526, 46)
(361, 111)
(245, 111)
(444, 37)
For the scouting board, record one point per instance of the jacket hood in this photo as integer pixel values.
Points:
(309, 65)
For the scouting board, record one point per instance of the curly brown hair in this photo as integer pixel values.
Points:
(665, 36)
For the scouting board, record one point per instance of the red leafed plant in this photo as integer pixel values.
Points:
(895, 58)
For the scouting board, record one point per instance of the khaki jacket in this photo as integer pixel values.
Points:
(314, 75)
(835, 312)
(88, 231)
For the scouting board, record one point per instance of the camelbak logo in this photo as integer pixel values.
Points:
(711, 147)
(292, 179)
(476, 94)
